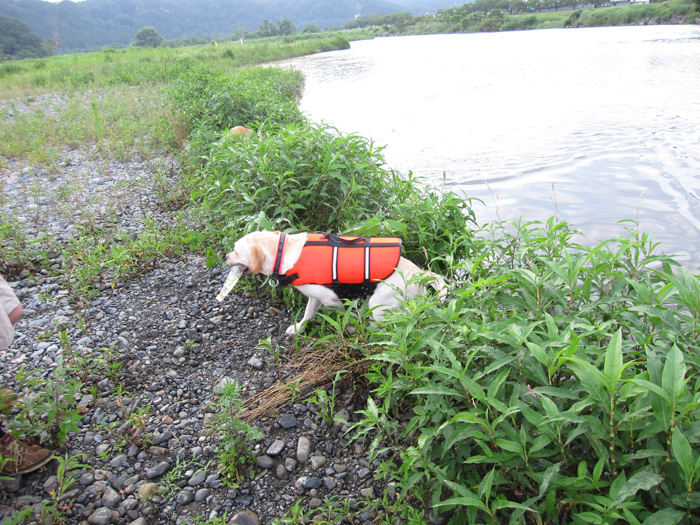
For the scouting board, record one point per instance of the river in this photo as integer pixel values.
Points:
(594, 126)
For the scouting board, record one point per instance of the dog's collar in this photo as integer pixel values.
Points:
(284, 280)
(279, 254)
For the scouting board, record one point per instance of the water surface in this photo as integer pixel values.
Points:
(594, 125)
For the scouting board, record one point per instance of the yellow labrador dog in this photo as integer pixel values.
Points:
(328, 268)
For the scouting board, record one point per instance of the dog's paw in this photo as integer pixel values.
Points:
(294, 329)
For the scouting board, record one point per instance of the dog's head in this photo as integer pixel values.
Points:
(251, 252)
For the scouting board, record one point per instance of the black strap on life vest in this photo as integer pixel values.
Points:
(281, 278)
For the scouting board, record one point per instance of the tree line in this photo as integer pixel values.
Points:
(18, 42)
(511, 15)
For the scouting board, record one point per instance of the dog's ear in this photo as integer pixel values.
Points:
(255, 259)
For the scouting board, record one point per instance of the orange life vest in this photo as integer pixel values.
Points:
(331, 260)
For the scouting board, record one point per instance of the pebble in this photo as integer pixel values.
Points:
(277, 447)
(201, 495)
(256, 363)
(185, 497)
(304, 449)
(111, 498)
(288, 421)
(265, 462)
(245, 517)
(101, 516)
(157, 471)
(318, 461)
(147, 490)
(197, 478)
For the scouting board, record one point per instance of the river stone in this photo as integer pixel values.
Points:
(162, 438)
(265, 462)
(281, 472)
(201, 495)
(245, 517)
(88, 478)
(185, 497)
(118, 460)
(288, 421)
(101, 516)
(157, 471)
(111, 498)
(147, 490)
(312, 483)
(317, 462)
(304, 449)
(197, 478)
(256, 363)
(276, 448)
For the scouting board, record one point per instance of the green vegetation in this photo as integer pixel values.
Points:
(148, 37)
(557, 384)
(490, 15)
(17, 40)
(236, 438)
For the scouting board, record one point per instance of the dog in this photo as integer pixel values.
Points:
(240, 132)
(340, 267)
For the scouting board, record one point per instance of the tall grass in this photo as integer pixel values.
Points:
(122, 121)
(146, 66)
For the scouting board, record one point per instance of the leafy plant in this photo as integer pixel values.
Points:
(325, 401)
(236, 438)
(48, 410)
(50, 511)
(557, 384)
(169, 482)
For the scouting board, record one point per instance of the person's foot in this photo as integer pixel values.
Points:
(21, 458)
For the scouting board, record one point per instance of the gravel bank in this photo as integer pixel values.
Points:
(175, 343)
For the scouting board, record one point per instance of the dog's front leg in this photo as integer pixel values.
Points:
(309, 313)
(318, 296)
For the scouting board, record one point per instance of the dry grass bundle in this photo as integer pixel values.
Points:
(311, 368)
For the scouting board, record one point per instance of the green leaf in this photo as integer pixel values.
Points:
(683, 454)
(594, 381)
(644, 480)
(549, 474)
(485, 486)
(613, 361)
(652, 387)
(589, 517)
(673, 377)
(665, 517)
(505, 504)
(464, 501)
(437, 390)
(510, 446)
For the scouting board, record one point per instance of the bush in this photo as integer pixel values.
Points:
(559, 384)
(305, 177)
(211, 102)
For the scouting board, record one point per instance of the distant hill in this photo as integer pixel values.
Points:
(93, 24)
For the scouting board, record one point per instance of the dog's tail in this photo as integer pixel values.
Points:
(437, 283)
